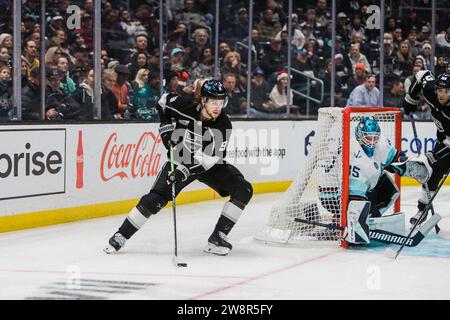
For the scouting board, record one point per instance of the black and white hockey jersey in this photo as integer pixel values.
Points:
(424, 82)
(199, 144)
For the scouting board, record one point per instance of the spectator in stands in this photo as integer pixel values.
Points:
(267, 27)
(6, 41)
(5, 58)
(425, 56)
(67, 84)
(109, 107)
(323, 15)
(260, 91)
(153, 62)
(236, 96)
(224, 49)
(442, 42)
(191, 16)
(441, 65)
(404, 58)
(412, 22)
(141, 45)
(59, 106)
(193, 54)
(325, 76)
(176, 59)
(130, 27)
(356, 26)
(394, 98)
(122, 89)
(141, 62)
(84, 95)
(358, 37)
(6, 104)
(204, 69)
(365, 95)
(232, 64)
(29, 56)
(357, 57)
(31, 97)
(389, 53)
(52, 54)
(56, 24)
(397, 36)
(274, 60)
(142, 96)
(341, 26)
(279, 95)
(154, 90)
(415, 45)
(298, 39)
(307, 59)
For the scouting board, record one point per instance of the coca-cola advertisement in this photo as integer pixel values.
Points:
(123, 159)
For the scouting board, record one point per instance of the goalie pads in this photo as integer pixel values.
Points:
(393, 223)
(417, 168)
(357, 230)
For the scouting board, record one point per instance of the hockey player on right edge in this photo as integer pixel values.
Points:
(437, 94)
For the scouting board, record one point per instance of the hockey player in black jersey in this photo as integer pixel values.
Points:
(198, 131)
(436, 93)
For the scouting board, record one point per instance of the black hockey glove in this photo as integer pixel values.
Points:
(175, 177)
(409, 107)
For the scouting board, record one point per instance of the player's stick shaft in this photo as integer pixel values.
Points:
(427, 190)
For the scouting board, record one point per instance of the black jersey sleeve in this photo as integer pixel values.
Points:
(423, 83)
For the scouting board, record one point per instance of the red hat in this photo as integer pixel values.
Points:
(282, 74)
(360, 66)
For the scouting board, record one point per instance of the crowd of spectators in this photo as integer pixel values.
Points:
(130, 55)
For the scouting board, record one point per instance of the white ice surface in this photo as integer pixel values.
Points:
(43, 263)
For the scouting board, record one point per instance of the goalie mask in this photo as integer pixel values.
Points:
(367, 133)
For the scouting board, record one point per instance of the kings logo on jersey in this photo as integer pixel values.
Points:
(192, 141)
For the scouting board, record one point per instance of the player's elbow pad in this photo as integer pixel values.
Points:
(417, 168)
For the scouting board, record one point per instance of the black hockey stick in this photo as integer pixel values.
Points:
(394, 254)
(174, 208)
(384, 236)
(427, 190)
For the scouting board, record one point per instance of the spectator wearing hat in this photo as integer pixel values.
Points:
(6, 41)
(31, 97)
(260, 91)
(59, 106)
(342, 28)
(365, 95)
(274, 60)
(425, 56)
(55, 24)
(82, 63)
(356, 79)
(267, 27)
(122, 89)
(356, 56)
(29, 56)
(176, 59)
(279, 96)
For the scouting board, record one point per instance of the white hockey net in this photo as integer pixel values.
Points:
(316, 194)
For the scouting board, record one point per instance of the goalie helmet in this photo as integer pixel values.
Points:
(367, 133)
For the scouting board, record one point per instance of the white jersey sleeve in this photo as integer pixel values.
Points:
(384, 153)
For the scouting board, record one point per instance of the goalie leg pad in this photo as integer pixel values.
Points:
(394, 223)
(357, 231)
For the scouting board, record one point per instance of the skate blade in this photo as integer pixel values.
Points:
(109, 250)
(220, 251)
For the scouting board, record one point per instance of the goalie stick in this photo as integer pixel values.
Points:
(389, 252)
(385, 236)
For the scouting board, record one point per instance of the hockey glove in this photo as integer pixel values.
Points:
(166, 135)
(409, 107)
(175, 177)
(447, 141)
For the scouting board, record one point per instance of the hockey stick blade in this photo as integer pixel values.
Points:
(178, 264)
(417, 238)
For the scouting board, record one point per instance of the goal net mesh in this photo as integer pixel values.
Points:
(316, 193)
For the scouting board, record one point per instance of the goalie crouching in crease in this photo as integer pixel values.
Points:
(198, 132)
(371, 190)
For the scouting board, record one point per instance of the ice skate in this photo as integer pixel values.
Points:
(116, 242)
(218, 244)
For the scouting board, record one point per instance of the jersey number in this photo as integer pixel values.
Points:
(354, 171)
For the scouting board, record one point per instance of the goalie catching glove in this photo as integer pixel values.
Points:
(417, 168)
